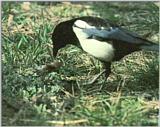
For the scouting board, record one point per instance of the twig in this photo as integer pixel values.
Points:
(69, 122)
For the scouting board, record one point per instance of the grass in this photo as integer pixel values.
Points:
(130, 95)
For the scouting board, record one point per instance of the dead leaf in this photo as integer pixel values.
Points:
(155, 37)
(10, 20)
(152, 104)
(157, 4)
(50, 67)
(25, 6)
(67, 3)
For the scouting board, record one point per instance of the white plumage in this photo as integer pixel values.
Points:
(99, 49)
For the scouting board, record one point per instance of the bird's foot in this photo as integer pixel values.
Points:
(95, 78)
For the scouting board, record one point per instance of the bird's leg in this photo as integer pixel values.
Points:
(96, 77)
(107, 71)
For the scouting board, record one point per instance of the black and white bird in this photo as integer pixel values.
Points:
(100, 38)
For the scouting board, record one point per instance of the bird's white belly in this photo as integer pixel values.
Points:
(101, 50)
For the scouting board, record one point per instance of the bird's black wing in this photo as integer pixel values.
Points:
(118, 34)
(106, 30)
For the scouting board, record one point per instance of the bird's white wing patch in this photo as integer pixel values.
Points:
(92, 30)
(83, 24)
(84, 30)
(80, 33)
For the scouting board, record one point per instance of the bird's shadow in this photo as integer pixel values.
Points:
(141, 83)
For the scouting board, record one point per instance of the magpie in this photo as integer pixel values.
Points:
(100, 38)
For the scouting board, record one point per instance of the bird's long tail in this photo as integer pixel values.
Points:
(144, 43)
(134, 38)
(150, 47)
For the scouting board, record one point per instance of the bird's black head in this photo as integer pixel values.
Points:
(63, 34)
